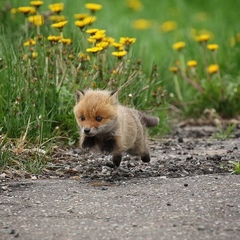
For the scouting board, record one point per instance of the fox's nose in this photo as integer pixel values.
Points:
(87, 130)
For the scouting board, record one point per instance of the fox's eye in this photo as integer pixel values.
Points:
(82, 118)
(98, 118)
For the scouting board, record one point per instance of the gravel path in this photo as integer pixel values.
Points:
(199, 207)
(186, 192)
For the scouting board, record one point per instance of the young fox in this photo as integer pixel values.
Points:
(111, 127)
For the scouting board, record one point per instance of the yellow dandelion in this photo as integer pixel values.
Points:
(212, 47)
(203, 38)
(83, 57)
(36, 4)
(142, 24)
(94, 85)
(66, 41)
(232, 41)
(86, 21)
(80, 16)
(213, 68)
(91, 40)
(135, 5)
(34, 55)
(238, 37)
(30, 42)
(118, 46)
(26, 10)
(93, 7)
(101, 31)
(102, 44)
(179, 46)
(94, 49)
(168, 26)
(173, 69)
(59, 25)
(37, 20)
(57, 18)
(52, 38)
(56, 7)
(89, 20)
(119, 54)
(110, 40)
(98, 36)
(80, 23)
(14, 10)
(192, 63)
(92, 31)
(127, 41)
(71, 56)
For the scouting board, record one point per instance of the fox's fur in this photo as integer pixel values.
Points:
(111, 127)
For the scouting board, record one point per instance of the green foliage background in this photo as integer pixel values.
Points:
(32, 101)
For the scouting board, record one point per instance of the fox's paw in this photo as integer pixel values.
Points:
(108, 146)
(117, 160)
(146, 158)
(88, 142)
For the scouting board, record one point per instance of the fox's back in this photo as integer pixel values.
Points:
(130, 126)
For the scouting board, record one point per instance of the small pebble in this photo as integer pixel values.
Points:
(11, 231)
(229, 205)
(185, 185)
(200, 228)
(180, 140)
(4, 188)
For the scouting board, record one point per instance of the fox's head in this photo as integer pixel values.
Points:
(96, 111)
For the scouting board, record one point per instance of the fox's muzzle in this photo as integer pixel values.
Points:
(86, 130)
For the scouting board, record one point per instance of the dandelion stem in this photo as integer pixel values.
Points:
(60, 44)
(194, 84)
(182, 62)
(177, 88)
(178, 91)
(26, 27)
(38, 30)
(216, 62)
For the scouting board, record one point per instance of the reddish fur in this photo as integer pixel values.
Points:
(93, 105)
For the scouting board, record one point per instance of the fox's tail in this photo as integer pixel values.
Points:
(148, 121)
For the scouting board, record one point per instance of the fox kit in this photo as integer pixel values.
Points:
(111, 127)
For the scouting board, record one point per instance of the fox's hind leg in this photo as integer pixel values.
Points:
(146, 157)
(117, 159)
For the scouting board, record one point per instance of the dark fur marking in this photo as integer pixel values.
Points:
(117, 160)
(109, 145)
(88, 142)
(146, 158)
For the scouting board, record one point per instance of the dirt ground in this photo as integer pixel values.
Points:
(187, 191)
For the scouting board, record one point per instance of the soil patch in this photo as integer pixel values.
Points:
(189, 151)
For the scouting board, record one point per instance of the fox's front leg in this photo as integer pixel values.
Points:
(109, 145)
(88, 142)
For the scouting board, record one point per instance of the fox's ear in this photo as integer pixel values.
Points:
(114, 96)
(79, 95)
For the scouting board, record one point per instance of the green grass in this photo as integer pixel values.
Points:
(236, 167)
(37, 94)
(224, 133)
